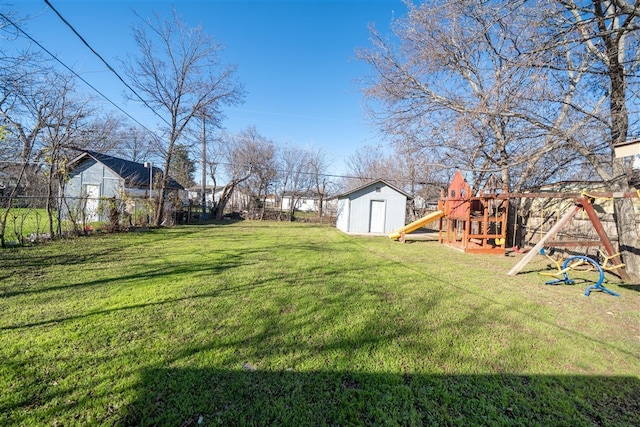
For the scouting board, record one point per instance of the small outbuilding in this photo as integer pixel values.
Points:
(374, 208)
(95, 176)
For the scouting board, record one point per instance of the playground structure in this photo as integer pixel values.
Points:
(474, 224)
(419, 223)
(563, 266)
(582, 203)
(478, 224)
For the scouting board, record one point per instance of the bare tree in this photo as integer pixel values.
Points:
(220, 159)
(62, 130)
(527, 89)
(258, 152)
(296, 178)
(101, 132)
(26, 110)
(369, 163)
(24, 106)
(451, 83)
(217, 149)
(592, 47)
(179, 77)
(137, 144)
(248, 162)
(318, 166)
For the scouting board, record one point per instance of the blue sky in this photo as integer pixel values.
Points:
(295, 58)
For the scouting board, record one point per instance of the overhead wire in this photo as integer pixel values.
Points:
(119, 77)
(112, 70)
(23, 32)
(109, 67)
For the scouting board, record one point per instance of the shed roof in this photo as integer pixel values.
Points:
(372, 183)
(134, 174)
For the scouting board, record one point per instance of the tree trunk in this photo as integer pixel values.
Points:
(159, 207)
(217, 212)
(321, 207)
(49, 203)
(292, 209)
(625, 219)
(624, 213)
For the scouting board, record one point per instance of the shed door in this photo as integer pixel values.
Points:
(92, 194)
(377, 216)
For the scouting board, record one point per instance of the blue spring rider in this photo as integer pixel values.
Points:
(578, 260)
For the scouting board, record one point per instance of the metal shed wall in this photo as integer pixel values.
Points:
(354, 209)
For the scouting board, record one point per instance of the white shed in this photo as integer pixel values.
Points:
(374, 208)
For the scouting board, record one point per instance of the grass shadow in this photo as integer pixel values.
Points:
(210, 221)
(245, 396)
(213, 267)
(630, 287)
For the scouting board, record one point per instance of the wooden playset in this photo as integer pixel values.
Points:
(473, 223)
(477, 223)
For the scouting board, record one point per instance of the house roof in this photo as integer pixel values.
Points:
(377, 181)
(133, 173)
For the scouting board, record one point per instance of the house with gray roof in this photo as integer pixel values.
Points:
(95, 176)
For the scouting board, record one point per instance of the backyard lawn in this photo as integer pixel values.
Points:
(25, 223)
(259, 323)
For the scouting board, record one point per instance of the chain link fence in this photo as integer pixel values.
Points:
(27, 219)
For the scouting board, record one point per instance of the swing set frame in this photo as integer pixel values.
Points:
(582, 203)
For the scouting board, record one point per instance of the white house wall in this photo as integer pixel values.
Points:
(302, 205)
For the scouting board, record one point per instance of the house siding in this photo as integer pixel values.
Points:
(303, 204)
(91, 172)
(342, 216)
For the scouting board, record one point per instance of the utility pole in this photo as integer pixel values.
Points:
(204, 168)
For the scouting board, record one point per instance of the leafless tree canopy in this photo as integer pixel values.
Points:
(451, 86)
(296, 177)
(179, 73)
(535, 90)
(256, 153)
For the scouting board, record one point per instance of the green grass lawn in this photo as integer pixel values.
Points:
(257, 323)
(23, 222)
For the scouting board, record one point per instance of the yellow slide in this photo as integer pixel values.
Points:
(409, 228)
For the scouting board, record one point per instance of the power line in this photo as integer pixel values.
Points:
(109, 67)
(6, 18)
